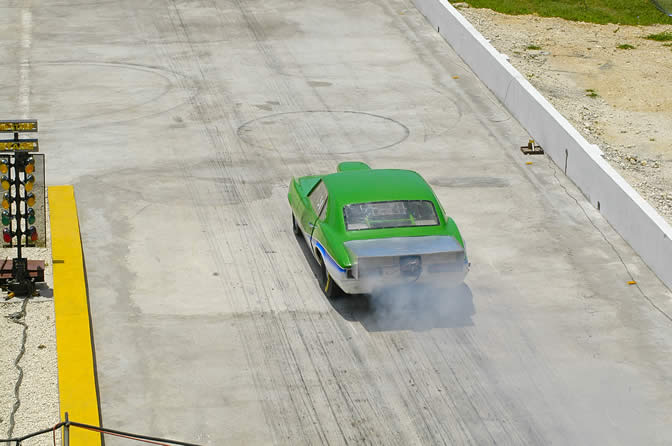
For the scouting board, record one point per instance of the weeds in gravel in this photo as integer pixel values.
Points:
(626, 46)
(660, 37)
(591, 93)
(622, 12)
(532, 47)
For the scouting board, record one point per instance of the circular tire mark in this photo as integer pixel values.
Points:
(164, 87)
(334, 130)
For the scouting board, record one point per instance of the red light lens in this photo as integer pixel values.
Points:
(33, 233)
(6, 236)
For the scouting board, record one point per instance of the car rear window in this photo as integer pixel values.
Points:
(389, 214)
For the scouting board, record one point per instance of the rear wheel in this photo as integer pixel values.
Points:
(329, 287)
(295, 226)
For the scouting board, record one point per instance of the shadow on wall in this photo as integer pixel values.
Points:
(415, 308)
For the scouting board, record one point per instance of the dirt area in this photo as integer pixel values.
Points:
(28, 361)
(619, 99)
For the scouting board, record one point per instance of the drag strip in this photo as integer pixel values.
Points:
(208, 321)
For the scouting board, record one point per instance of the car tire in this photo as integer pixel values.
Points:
(295, 226)
(327, 284)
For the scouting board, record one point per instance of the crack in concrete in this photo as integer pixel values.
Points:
(613, 248)
(18, 318)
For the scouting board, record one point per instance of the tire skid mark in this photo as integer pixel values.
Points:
(446, 398)
(414, 401)
(371, 360)
(519, 416)
(278, 430)
(487, 409)
(482, 402)
(289, 399)
(261, 237)
(347, 359)
(448, 422)
(461, 398)
(314, 352)
(352, 407)
(279, 84)
(328, 400)
(199, 107)
(494, 129)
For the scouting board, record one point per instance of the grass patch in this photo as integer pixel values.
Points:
(532, 47)
(591, 93)
(660, 37)
(622, 12)
(667, 44)
(626, 46)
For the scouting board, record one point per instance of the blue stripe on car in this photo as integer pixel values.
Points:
(326, 255)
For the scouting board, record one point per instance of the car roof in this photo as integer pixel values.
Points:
(363, 186)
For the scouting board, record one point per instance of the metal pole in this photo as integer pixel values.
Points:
(19, 159)
(66, 431)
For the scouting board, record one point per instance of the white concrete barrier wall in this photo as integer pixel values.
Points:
(637, 222)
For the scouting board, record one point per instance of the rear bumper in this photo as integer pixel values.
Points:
(434, 261)
(371, 284)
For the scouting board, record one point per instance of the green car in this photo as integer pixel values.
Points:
(371, 229)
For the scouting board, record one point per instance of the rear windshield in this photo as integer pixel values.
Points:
(389, 214)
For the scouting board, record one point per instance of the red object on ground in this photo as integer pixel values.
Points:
(35, 270)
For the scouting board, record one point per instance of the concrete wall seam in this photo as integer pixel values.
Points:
(628, 213)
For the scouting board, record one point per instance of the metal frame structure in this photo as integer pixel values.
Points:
(18, 184)
(66, 434)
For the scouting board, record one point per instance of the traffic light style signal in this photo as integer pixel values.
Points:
(18, 183)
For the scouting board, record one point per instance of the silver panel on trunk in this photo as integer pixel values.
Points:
(402, 246)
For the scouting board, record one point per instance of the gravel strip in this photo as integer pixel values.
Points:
(616, 98)
(37, 406)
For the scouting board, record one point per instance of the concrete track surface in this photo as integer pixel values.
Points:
(180, 124)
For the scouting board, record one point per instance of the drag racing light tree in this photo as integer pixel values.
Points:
(18, 216)
(18, 181)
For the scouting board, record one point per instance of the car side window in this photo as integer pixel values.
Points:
(323, 213)
(318, 197)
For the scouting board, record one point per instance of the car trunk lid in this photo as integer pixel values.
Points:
(406, 256)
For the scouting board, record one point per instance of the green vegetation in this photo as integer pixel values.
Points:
(623, 12)
(591, 93)
(533, 47)
(660, 37)
(626, 46)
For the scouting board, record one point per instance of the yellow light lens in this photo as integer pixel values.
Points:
(5, 202)
(30, 168)
(30, 199)
(5, 183)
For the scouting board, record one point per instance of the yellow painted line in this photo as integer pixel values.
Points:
(76, 369)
